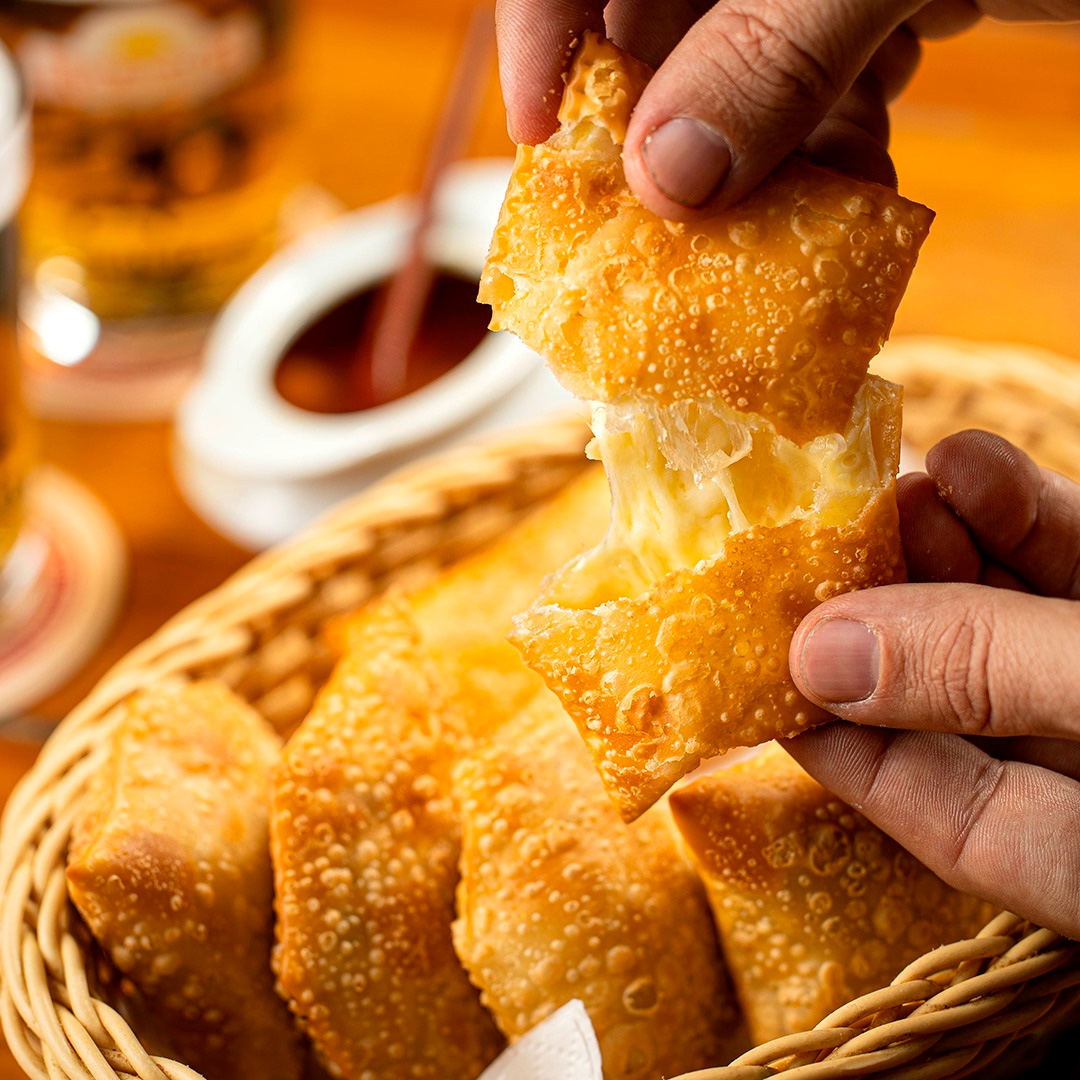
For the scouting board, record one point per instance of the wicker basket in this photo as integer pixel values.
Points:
(948, 1014)
(1029, 395)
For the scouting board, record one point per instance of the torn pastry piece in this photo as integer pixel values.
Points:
(668, 643)
(365, 832)
(775, 307)
(815, 905)
(751, 462)
(559, 899)
(365, 844)
(169, 865)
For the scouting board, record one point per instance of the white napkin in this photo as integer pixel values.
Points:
(564, 1045)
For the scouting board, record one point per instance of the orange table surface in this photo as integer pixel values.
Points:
(988, 135)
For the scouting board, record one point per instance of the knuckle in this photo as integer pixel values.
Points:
(874, 781)
(779, 74)
(967, 843)
(957, 674)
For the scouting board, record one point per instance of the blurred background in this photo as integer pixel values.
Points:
(178, 145)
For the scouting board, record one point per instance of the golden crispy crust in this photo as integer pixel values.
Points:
(365, 843)
(698, 664)
(169, 866)
(559, 900)
(815, 904)
(363, 793)
(472, 602)
(776, 305)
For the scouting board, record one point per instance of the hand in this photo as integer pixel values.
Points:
(741, 83)
(979, 668)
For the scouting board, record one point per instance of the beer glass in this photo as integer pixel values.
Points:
(159, 171)
(14, 433)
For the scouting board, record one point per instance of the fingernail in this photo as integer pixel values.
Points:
(687, 160)
(839, 661)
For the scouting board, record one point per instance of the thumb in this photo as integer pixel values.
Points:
(965, 659)
(748, 82)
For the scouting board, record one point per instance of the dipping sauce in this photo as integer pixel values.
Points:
(327, 369)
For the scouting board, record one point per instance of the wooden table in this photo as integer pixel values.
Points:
(988, 135)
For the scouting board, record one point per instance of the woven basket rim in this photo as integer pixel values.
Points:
(947, 1014)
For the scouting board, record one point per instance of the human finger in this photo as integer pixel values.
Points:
(536, 40)
(894, 62)
(937, 545)
(955, 658)
(1058, 755)
(943, 18)
(649, 30)
(1037, 537)
(748, 82)
(854, 137)
(1002, 830)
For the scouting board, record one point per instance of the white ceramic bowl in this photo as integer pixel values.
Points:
(258, 468)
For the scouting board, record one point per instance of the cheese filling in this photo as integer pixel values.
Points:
(684, 477)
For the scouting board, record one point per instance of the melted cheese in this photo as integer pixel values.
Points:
(686, 476)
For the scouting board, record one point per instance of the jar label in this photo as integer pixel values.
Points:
(124, 59)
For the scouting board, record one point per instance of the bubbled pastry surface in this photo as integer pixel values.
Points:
(365, 842)
(559, 900)
(170, 866)
(698, 663)
(776, 306)
(815, 904)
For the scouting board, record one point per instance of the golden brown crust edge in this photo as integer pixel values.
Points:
(169, 864)
(814, 903)
(776, 306)
(559, 900)
(699, 663)
(365, 839)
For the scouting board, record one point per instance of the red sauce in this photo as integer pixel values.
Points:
(327, 368)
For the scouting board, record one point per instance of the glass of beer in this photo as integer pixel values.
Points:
(159, 171)
(14, 432)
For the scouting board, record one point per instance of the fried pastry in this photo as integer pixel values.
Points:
(365, 844)
(464, 615)
(169, 865)
(775, 307)
(751, 461)
(365, 832)
(668, 643)
(815, 905)
(559, 899)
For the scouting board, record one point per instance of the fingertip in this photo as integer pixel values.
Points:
(943, 18)
(842, 757)
(536, 43)
(678, 168)
(838, 663)
(841, 144)
(937, 546)
(529, 127)
(963, 453)
(910, 485)
(810, 747)
(838, 607)
(815, 743)
(977, 473)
